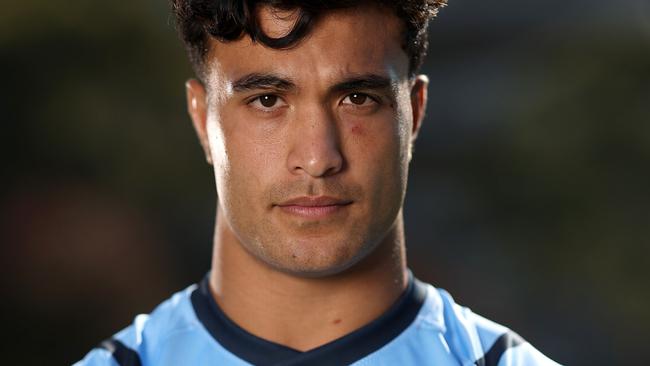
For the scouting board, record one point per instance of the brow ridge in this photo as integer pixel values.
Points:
(254, 81)
(361, 82)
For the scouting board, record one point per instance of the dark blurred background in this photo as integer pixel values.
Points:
(528, 196)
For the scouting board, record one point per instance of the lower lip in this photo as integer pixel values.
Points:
(313, 212)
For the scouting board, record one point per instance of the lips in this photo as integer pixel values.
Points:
(314, 207)
(315, 201)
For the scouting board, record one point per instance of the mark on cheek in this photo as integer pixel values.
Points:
(357, 129)
(336, 321)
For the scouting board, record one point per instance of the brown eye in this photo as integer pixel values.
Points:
(361, 103)
(268, 101)
(358, 98)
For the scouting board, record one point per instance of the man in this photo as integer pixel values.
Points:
(307, 111)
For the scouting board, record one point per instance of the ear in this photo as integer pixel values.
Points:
(197, 109)
(418, 103)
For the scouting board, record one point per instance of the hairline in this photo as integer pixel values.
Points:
(208, 51)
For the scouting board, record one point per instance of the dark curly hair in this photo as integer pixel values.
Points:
(228, 20)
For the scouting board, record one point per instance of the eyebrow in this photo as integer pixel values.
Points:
(262, 81)
(256, 81)
(363, 82)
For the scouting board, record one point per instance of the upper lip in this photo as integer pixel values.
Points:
(315, 201)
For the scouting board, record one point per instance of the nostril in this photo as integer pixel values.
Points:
(323, 164)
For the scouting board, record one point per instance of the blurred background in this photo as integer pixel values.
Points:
(528, 195)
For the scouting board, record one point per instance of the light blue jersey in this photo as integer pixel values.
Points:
(424, 327)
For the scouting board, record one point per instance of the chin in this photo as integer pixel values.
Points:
(319, 259)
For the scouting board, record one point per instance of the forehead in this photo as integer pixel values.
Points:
(359, 40)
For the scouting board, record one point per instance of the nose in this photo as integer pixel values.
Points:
(314, 145)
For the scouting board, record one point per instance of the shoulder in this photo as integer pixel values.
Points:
(476, 340)
(147, 334)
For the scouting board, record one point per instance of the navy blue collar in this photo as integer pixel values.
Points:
(345, 350)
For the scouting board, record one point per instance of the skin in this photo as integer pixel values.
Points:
(335, 116)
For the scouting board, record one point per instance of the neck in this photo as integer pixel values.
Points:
(278, 307)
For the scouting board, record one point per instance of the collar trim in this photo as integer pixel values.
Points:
(345, 350)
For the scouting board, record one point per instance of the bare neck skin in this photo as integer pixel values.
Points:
(278, 307)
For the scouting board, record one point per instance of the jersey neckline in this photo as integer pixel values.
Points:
(344, 350)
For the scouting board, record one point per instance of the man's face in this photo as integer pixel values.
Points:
(311, 145)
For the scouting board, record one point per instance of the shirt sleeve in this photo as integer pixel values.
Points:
(98, 357)
(525, 354)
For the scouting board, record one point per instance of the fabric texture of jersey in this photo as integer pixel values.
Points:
(424, 327)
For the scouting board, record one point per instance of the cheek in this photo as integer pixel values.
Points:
(377, 138)
(251, 163)
(389, 152)
(374, 151)
(238, 185)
